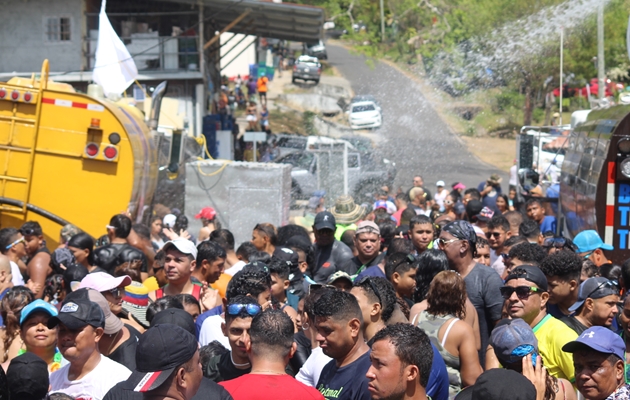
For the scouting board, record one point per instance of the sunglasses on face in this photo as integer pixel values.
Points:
(251, 309)
(496, 235)
(20, 240)
(442, 243)
(116, 292)
(522, 292)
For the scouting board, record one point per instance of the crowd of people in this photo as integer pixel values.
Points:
(453, 294)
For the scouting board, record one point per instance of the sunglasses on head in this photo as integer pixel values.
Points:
(27, 232)
(368, 279)
(612, 284)
(557, 242)
(251, 309)
(522, 292)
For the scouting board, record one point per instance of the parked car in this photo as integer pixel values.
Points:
(316, 50)
(307, 68)
(364, 114)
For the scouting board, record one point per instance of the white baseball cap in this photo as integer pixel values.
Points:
(102, 281)
(184, 246)
(169, 220)
(440, 183)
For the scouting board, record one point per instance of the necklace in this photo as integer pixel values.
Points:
(113, 341)
(238, 365)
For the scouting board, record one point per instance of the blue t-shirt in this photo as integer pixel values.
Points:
(374, 271)
(548, 224)
(437, 387)
(345, 383)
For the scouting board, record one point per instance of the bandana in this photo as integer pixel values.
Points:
(463, 230)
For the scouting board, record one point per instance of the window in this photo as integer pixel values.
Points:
(57, 29)
(363, 107)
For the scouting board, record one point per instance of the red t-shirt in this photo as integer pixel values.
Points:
(269, 387)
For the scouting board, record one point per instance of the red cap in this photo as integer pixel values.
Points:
(206, 213)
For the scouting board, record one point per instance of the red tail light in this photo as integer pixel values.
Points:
(319, 70)
(28, 97)
(3, 93)
(295, 67)
(110, 152)
(91, 150)
(15, 95)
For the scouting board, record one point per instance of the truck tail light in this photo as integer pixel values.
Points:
(110, 152)
(91, 150)
(15, 95)
(3, 93)
(28, 97)
(295, 67)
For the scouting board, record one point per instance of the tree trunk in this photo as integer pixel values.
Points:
(529, 104)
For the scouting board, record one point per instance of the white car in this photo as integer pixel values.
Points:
(364, 114)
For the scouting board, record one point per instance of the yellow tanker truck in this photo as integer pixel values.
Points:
(66, 157)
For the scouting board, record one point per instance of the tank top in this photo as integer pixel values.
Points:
(196, 292)
(431, 324)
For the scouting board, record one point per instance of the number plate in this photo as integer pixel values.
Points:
(306, 69)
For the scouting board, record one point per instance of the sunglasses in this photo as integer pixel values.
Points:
(522, 292)
(20, 240)
(612, 284)
(554, 242)
(116, 292)
(368, 279)
(442, 243)
(27, 232)
(493, 234)
(251, 309)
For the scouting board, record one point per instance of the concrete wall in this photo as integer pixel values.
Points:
(241, 64)
(243, 194)
(23, 42)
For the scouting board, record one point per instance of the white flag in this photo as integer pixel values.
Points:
(114, 69)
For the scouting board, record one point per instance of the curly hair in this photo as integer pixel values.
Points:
(564, 264)
(10, 308)
(528, 253)
(447, 295)
(252, 280)
(386, 295)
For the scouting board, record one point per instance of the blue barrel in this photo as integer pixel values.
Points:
(253, 71)
(211, 123)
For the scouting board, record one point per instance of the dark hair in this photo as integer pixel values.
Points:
(212, 349)
(239, 299)
(271, 334)
(447, 295)
(399, 262)
(181, 223)
(412, 345)
(610, 271)
(388, 230)
(83, 241)
(529, 228)
(474, 193)
(7, 236)
(625, 274)
(347, 238)
(260, 256)
(513, 240)
(285, 233)
(303, 244)
(515, 218)
(419, 220)
(223, 238)
(482, 242)
(32, 227)
(564, 264)
(130, 268)
(121, 224)
(73, 273)
(59, 396)
(11, 307)
(402, 196)
(142, 231)
(338, 305)
(400, 245)
(161, 304)
(589, 269)
(506, 199)
(528, 253)
(499, 221)
(188, 300)
(268, 230)
(310, 300)
(280, 267)
(430, 263)
(407, 215)
(386, 294)
(52, 286)
(245, 250)
(209, 251)
(531, 201)
(251, 280)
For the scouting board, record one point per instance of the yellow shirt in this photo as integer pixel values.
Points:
(151, 284)
(552, 334)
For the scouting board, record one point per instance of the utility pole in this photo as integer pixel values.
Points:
(382, 23)
(561, 68)
(600, 50)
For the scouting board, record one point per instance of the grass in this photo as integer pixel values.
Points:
(291, 122)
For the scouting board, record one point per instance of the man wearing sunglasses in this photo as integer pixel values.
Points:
(498, 232)
(596, 305)
(526, 296)
(330, 254)
(13, 246)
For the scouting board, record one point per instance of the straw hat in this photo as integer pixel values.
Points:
(346, 212)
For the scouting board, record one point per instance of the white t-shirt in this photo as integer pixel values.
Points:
(440, 197)
(17, 275)
(235, 268)
(312, 368)
(92, 386)
(211, 330)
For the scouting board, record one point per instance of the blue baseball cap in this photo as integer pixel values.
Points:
(37, 305)
(600, 339)
(589, 240)
(594, 288)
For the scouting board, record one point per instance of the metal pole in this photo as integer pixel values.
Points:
(255, 143)
(382, 23)
(561, 66)
(600, 50)
(345, 166)
(202, 65)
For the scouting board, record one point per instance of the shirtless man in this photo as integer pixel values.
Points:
(252, 119)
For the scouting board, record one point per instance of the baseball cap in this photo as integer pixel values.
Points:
(113, 324)
(530, 273)
(78, 311)
(589, 240)
(175, 316)
(380, 204)
(594, 288)
(339, 275)
(440, 183)
(499, 384)
(485, 214)
(600, 339)
(161, 349)
(513, 339)
(473, 208)
(206, 213)
(367, 227)
(37, 305)
(169, 220)
(27, 377)
(324, 220)
(459, 185)
(286, 254)
(184, 246)
(102, 281)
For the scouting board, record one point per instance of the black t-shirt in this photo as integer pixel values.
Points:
(329, 259)
(125, 354)
(208, 390)
(353, 265)
(303, 350)
(345, 383)
(112, 255)
(220, 368)
(574, 324)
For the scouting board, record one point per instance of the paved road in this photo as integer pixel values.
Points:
(414, 136)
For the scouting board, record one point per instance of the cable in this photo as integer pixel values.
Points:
(202, 142)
